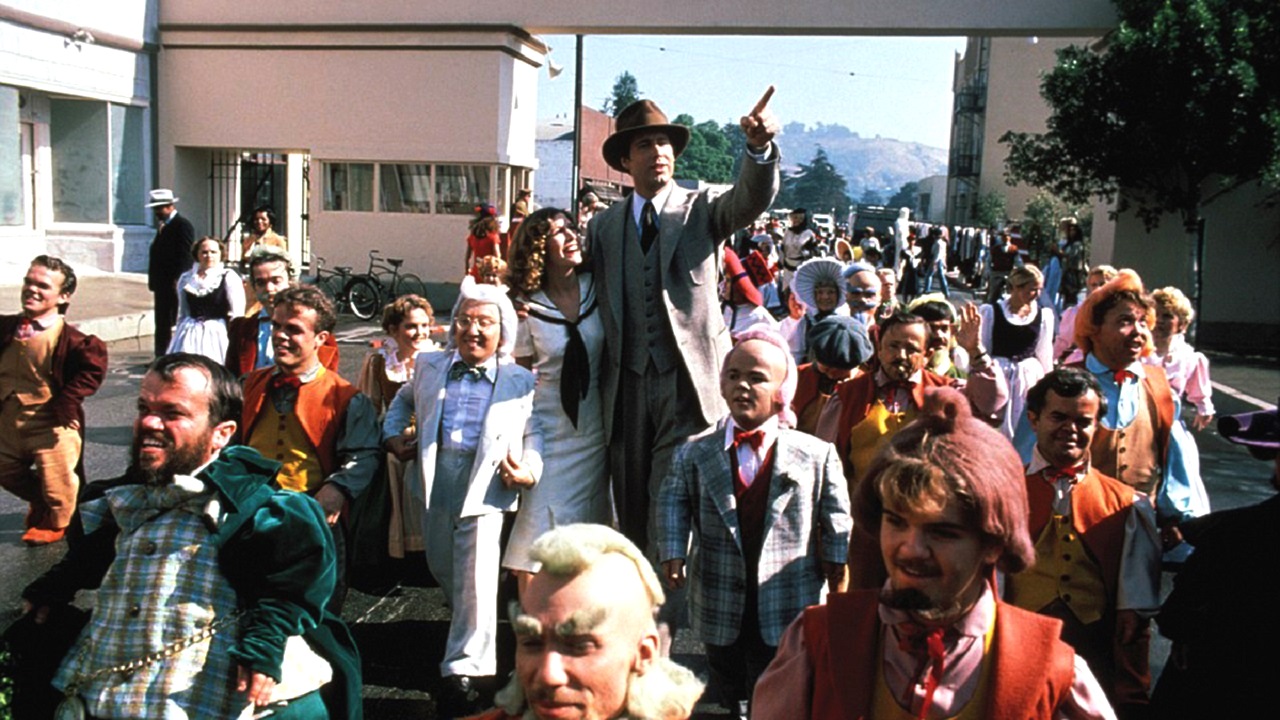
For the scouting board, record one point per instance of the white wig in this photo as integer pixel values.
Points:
(481, 292)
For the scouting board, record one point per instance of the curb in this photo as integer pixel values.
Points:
(120, 327)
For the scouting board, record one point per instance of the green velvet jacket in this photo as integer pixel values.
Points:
(275, 549)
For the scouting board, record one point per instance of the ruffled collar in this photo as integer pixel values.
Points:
(197, 285)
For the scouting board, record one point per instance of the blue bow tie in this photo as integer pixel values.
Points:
(460, 370)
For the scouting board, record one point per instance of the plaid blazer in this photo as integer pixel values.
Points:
(807, 522)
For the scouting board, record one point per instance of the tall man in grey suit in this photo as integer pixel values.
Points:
(656, 258)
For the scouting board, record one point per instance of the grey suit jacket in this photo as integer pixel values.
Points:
(509, 427)
(693, 225)
(807, 522)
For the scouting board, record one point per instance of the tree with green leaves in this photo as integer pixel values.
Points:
(906, 195)
(817, 186)
(1181, 105)
(871, 197)
(625, 91)
(708, 156)
(990, 210)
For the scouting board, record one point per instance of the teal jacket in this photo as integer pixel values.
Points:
(275, 549)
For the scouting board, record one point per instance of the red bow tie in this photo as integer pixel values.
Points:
(1123, 375)
(1069, 473)
(754, 438)
(280, 380)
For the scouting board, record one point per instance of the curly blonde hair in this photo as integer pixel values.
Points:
(527, 259)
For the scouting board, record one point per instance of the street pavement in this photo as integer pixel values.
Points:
(398, 616)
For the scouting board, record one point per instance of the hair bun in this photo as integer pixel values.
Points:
(945, 408)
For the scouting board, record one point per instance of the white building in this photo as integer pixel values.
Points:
(76, 160)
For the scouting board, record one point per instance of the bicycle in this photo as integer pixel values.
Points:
(365, 293)
(333, 283)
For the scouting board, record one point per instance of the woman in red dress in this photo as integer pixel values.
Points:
(483, 240)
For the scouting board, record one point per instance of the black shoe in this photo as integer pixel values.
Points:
(458, 697)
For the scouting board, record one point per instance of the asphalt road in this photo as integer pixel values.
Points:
(401, 625)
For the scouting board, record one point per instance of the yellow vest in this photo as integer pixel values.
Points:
(281, 438)
(1063, 571)
(25, 366)
(867, 436)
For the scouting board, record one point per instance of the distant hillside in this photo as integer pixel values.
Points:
(881, 164)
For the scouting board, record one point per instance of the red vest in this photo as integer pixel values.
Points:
(321, 410)
(807, 377)
(1098, 513)
(1032, 672)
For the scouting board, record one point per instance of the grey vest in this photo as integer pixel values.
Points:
(646, 329)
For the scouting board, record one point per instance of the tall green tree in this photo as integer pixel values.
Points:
(906, 195)
(1181, 105)
(625, 91)
(990, 210)
(817, 186)
(708, 156)
(871, 197)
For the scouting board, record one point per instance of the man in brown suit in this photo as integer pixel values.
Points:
(47, 369)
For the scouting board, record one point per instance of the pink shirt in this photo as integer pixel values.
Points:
(1188, 373)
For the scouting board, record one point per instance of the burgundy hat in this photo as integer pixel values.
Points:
(736, 275)
(641, 116)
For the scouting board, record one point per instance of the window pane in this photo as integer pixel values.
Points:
(12, 207)
(348, 186)
(459, 188)
(503, 200)
(128, 165)
(78, 140)
(405, 188)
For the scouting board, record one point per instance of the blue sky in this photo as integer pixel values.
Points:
(893, 87)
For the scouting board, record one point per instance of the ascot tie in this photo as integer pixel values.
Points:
(648, 226)
(1123, 375)
(927, 646)
(26, 330)
(459, 370)
(754, 438)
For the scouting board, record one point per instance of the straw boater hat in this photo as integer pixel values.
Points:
(641, 116)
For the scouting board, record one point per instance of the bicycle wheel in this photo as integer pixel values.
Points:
(410, 284)
(363, 297)
(330, 285)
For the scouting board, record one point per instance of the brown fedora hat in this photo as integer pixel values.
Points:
(641, 116)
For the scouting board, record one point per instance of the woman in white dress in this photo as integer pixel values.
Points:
(561, 338)
(209, 294)
(1018, 331)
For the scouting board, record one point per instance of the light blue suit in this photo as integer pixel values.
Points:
(462, 534)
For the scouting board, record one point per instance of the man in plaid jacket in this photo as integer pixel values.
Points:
(770, 513)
